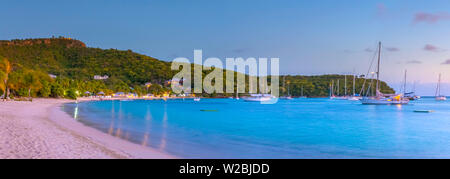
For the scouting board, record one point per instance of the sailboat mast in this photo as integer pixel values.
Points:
(345, 85)
(330, 90)
(332, 87)
(337, 93)
(378, 67)
(289, 93)
(302, 90)
(404, 84)
(237, 91)
(354, 79)
(439, 85)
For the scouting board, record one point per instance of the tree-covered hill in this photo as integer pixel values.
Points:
(71, 58)
(75, 65)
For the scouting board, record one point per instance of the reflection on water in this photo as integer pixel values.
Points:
(162, 146)
(299, 128)
(75, 112)
(148, 118)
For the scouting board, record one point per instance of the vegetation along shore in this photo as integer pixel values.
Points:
(67, 68)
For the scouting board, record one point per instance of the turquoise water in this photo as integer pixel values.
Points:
(299, 128)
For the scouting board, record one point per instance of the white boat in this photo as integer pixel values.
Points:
(334, 97)
(196, 99)
(288, 97)
(354, 98)
(439, 97)
(380, 98)
(258, 98)
(384, 100)
(341, 97)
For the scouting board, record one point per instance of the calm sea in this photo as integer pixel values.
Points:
(299, 128)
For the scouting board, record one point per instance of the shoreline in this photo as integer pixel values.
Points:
(41, 129)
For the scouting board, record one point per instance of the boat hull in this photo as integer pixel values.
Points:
(354, 98)
(250, 99)
(369, 101)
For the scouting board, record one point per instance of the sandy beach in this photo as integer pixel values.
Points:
(41, 130)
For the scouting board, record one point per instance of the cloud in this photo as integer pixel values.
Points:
(414, 62)
(368, 50)
(447, 62)
(429, 47)
(432, 48)
(430, 18)
(392, 49)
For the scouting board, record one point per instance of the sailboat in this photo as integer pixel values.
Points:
(439, 97)
(410, 95)
(258, 98)
(332, 96)
(345, 89)
(301, 94)
(288, 97)
(380, 98)
(354, 97)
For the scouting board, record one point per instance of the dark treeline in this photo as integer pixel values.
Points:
(315, 86)
(63, 67)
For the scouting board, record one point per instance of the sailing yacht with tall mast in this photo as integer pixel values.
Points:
(288, 97)
(380, 98)
(410, 95)
(354, 97)
(439, 97)
(332, 96)
(345, 90)
(301, 93)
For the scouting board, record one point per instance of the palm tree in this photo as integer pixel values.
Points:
(5, 70)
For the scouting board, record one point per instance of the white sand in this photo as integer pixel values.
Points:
(39, 129)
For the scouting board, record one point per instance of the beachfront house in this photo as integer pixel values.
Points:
(176, 81)
(148, 96)
(98, 77)
(119, 94)
(132, 95)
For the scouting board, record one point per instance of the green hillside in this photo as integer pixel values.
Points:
(75, 65)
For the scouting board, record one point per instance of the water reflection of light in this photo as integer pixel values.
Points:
(119, 124)
(148, 118)
(399, 106)
(164, 130)
(75, 113)
(145, 139)
(111, 128)
(111, 125)
(118, 132)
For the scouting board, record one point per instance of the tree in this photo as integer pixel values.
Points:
(5, 70)
(46, 89)
(72, 94)
(31, 81)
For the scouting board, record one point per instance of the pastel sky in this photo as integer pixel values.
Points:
(309, 37)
